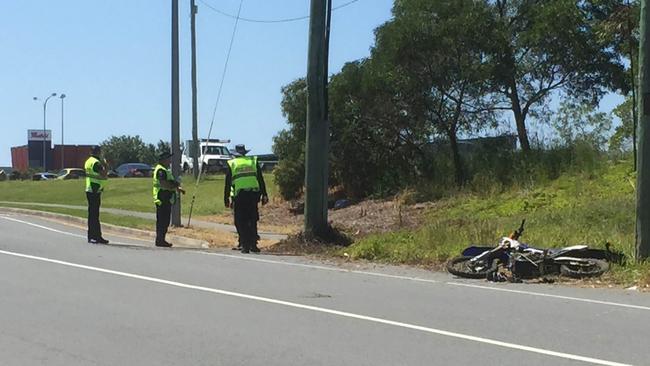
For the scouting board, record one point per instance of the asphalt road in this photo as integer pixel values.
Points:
(66, 302)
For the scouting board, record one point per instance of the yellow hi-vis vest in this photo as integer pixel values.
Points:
(157, 188)
(92, 176)
(244, 174)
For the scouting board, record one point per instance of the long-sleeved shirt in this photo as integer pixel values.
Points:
(228, 185)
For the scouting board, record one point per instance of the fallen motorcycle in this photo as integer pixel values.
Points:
(525, 262)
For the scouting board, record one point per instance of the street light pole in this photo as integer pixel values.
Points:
(44, 125)
(62, 143)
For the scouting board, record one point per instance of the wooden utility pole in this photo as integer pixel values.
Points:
(176, 141)
(643, 167)
(317, 140)
(194, 149)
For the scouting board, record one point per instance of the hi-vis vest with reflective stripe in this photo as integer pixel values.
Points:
(244, 174)
(156, 185)
(92, 176)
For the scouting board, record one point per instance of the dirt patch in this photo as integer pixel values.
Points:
(216, 238)
(357, 220)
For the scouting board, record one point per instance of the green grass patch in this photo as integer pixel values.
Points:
(133, 194)
(119, 220)
(574, 209)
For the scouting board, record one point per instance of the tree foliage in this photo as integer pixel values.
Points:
(551, 45)
(438, 55)
(623, 134)
(447, 69)
(289, 144)
(131, 149)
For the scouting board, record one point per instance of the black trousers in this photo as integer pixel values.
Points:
(163, 218)
(94, 227)
(246, 216)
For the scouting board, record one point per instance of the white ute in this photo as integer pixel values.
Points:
(213, 155)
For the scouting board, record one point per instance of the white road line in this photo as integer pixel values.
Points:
(43, 227)
(51, 229)
(445, 333)
(417, 279)
(324, 268)
(376, 274)
(541, 294)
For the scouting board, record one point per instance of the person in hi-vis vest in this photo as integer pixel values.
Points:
(165, 189)
(244, 188)
(96, 177)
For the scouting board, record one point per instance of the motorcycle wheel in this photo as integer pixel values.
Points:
(592, 268)
(459, 266)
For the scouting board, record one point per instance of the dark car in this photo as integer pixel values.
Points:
(132, 170)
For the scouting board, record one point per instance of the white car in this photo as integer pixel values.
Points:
(214, 155)
(44, 176)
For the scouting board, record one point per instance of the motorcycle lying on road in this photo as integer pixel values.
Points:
(525, 262)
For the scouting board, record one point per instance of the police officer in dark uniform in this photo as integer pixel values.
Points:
(96, 176)
(243, 189)
(165, 189)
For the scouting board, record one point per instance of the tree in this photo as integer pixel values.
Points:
(437, 55)
(375, 144)
(618, 26)
(576, 122)
(131, 149)
(289, 144)
(551, 45)
(624, 134)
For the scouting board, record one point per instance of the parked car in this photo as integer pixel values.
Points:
(44, 176)
(131, 170)
(71, 173)
(213, 155)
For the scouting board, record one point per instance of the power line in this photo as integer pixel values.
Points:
(285, 20)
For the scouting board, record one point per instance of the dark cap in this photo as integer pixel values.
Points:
(241, 148)
(164, 155)
(96, 150)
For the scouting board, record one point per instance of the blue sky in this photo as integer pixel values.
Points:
(112, 60)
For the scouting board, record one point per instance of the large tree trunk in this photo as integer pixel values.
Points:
(520, 117)
(458, 162)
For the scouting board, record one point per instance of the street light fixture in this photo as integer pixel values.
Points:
(62, 96)
(44, 124)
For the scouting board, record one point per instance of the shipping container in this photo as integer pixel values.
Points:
(74, 156)
(20, 158)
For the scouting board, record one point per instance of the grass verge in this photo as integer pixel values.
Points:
(215, 238)
(134, 194)
(574, 209)
(126, 221)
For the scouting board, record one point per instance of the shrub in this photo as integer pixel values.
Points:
(289, 177)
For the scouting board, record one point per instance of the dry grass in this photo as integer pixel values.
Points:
(227, 219)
